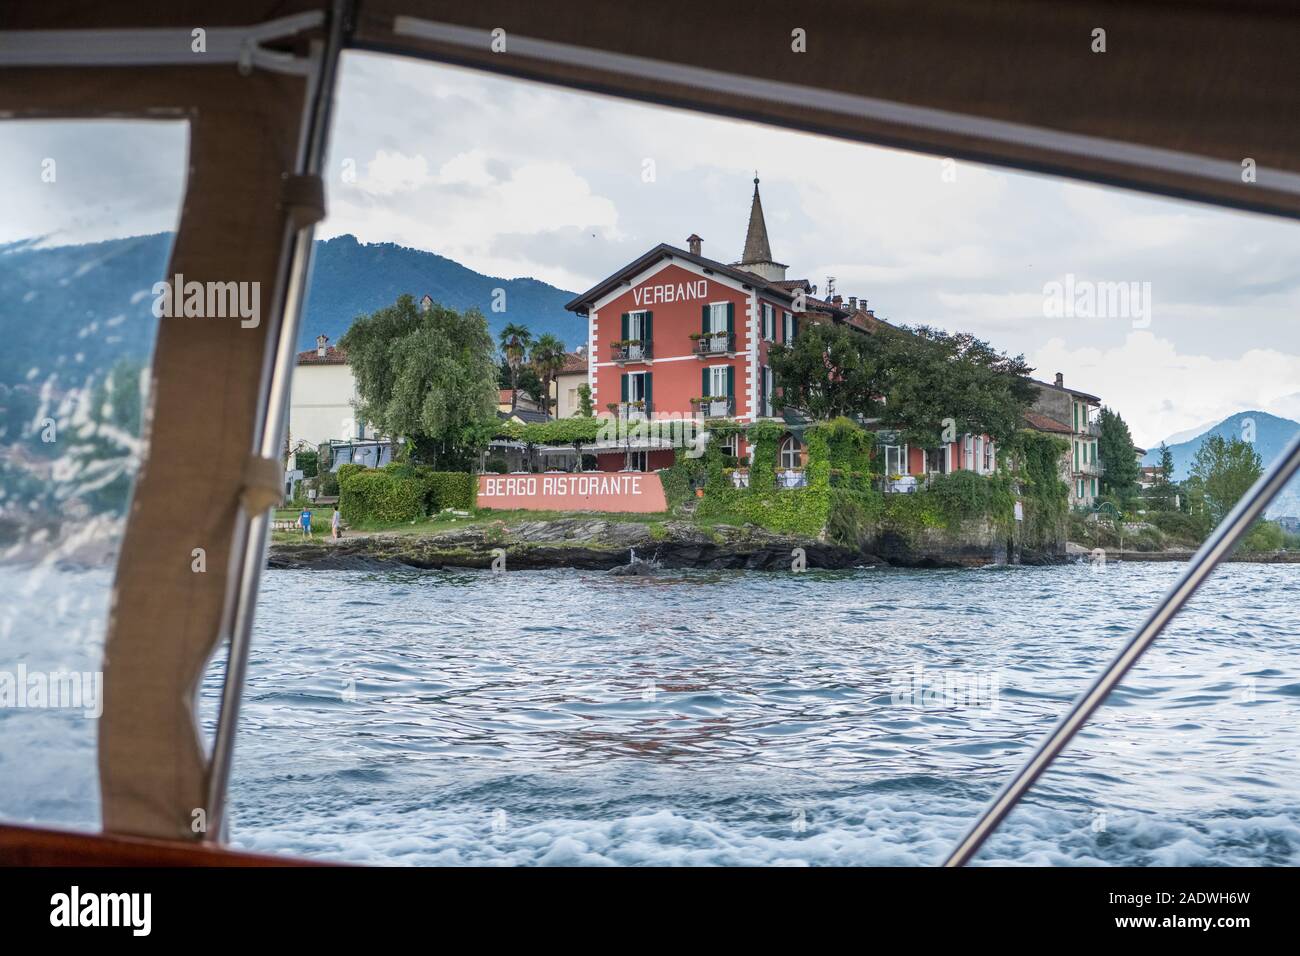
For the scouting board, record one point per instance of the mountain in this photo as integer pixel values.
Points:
(82, 307)
(350, 279)
(1272, 434)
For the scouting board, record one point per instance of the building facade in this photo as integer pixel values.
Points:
(321, 398)
(675, 334)
(1072, 416)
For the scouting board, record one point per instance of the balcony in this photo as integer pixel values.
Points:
(633, 411)
(1093, 468)
(714, 344)
(1093, 429)
(631, 350)
(714, 406)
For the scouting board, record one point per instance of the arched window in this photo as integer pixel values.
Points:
(791, 453)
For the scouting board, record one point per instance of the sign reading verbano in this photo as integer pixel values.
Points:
(670, 292)
(624, 491)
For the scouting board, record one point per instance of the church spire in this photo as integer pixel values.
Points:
(757, 248)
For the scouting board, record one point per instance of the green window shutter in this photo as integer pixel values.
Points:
(794, 327)
(704, 321)
(623, 378)
(731, 318)
(623, 337)
(731, 381)
(647, 330)
(704, 382)
(647, 384)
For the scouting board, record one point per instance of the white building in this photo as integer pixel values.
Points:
(321, 399)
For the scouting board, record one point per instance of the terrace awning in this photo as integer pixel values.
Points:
(1190, 99)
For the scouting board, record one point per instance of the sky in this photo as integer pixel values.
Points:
(519, 179)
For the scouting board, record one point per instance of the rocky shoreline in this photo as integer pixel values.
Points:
(593, 543)
(578, 542)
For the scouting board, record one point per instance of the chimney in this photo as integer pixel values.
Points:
(853, 302)
(693, 243)
(836, 300)
(1060, 380)
(320, 344)
(871, 312)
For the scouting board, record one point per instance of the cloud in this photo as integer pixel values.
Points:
(1160, 391)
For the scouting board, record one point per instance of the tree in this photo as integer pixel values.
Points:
(1118, 457)
(585, 408)
(427, 376)
(935, 376)
(829, 371)
(515, 340)
(1163, 490)
(1166, 464)
(547, 360)
(1223, 471)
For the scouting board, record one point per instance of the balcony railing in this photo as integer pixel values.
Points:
(1090, 468)
(1092, 428)
(715, 343)
(714, 407)
(632, 411)
(631, 351)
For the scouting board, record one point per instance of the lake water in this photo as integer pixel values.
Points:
(825, 718)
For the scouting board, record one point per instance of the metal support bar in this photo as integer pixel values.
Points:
(161, 46)
(248, 549)
(1217, 547)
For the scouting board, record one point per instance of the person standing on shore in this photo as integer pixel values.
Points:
(336, 523)
(304, 520)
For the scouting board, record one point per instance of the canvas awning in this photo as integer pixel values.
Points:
(1184, 95)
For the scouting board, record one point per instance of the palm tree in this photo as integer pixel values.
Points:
(515, 340)
(547, 359)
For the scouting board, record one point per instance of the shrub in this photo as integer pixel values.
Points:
(497, 466)
(348, 469)
(307, 462)
(452, 489)
(377, 495)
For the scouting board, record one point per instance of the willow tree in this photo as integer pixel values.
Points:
(428, 377)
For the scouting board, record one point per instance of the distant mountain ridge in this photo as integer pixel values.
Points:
(1272, 434)
(67, 308)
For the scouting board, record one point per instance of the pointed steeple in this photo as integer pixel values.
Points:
(757, 248)
(757, 256)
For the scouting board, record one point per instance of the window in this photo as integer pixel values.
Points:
(717, 316)
(769, 383)
(788, 327)
(791, 453)
(988, 455)
(636, 326)
(636, 461)
(968, 453)
(731, 446)
(75, 378)
(895, 459)
(977, 461)
(769, 322)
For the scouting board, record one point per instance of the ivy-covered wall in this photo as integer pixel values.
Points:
(840, 502)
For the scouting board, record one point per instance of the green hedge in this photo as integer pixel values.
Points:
(402, 491)
(452, 489)
(378, 496)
